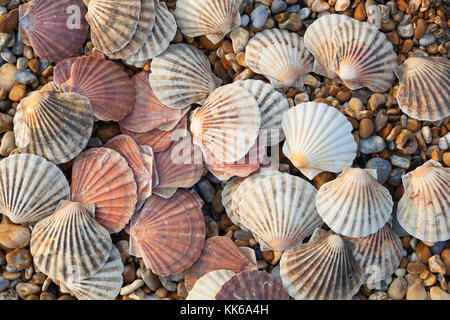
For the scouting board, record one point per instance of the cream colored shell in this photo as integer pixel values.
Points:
(209, 285)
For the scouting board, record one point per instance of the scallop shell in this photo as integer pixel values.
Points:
(209, 285)
(424, 91)
(227, 196)
(30, 188)
(128, 149)
(424, 209)
(363, 56)
(165, 193)
(61, 73)
(318, 41)
(112, 26)
(108, 88)
(218, 253)
(227, 124)
(148, 112)
(56, 29)
(279, 209)
(354, 204)
(102, 176)
(170, 234)
(164, 30)
(145, 25)
(213, 18)
(56, 126)
(272, 106)
(318, 138)
(179, 166)
(379, 254)
(105, 284)
(70, 245)
(149, 160)
(280, 56)
(182, 76)
(322, 269)
(253, 285)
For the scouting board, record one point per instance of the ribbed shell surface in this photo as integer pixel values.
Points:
(279, 209)
(322, 269)
(424, 209)
(354, 204)
(30, 188)
(70, 245)
(62, 71)
(280, 56)
(424, 87)
(209, 285)
(102, 176)
(56, 126)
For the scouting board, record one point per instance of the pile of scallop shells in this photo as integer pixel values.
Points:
(191, 130)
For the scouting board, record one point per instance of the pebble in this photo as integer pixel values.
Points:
(320, 6)
(131, 287)
(427, 40)
(258, 17)
(18, 92)
(9, 294)
(304, 13)
(379, 295)
(239, 38)
(14, 236)
(383, 168)
(24, 77)
(405, 31)
(436, 264)
(242, 235)
(206, 190)
(9, 22)
(151, 280)
(437, 293)
(293, 8)
(341, 5)
(168, 284)
(24, 289)
(400, 272)
(397, 289)
(416, 292)
(438, 247)
(19, 258)
(423, 252)
(8, 56)
(4, 284)
(395, 176)
(178, 277)
(416, 267)
(421, 28)
(366, 128)
(8, 143)
(426, 133)
(374, 144)
(445, 255)
(245, 20)
(7, 72)
(278, 6)
(401, 161)
(293, 23)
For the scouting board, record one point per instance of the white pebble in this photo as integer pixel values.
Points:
(131, 287)
(413, 243)
(400, 272)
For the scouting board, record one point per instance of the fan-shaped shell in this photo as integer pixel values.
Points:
(209, 285)
(227, 124)
(144, 27)
(149, 160)
(56, 126)
(279, 209)
(56, 29)
(280, 56)
(213, 18)
(30, 188)
(170, 233)
(163, 32)
(363, 56)
(227, 196)
(272, 106)
(62, 71)
(318, 41)
(179, 166)
(182, 76)
(379, 254)
(354, 204)
(148, 112)
(108, 88)
(253, 285)
(424, 90)
(112, 26)
(102, 176)
(105, 284)
(424, 209)
(70, 245)
(322, 269)
(218, 253)
(129, 149)
(318, 138)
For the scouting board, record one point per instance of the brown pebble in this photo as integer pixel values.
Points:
(14, 236)
(108, 131)
(423, 252)
(416, 267)
(322, 178)
(9, 21)
(208, 45)
(417, 292)
(34, 65)
(19, 258)
(360, 12)
(18, 92)
(366, 128)
(421, 28)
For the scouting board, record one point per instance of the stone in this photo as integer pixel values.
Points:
(310, 80)
(401, 161)
(9, 22)
(445, 256)
(379, 295)
(18, 92)
(320, 6)
(19, 258)
(405, 31)
(293, 23)
(366, 128)
(423, 252)
(383, 168)
(278, 6)
(374, 144)
(239, 38)
(9, 294)
(427, 40)
(406, 142)
(8, 56)
(24, 77)
(108, 131)
(22, 63)
(4, 284)
(421, 27)
(437, 293)
(206, 190)
(245, 20)
(430, 280)
(14, 236)
(242, 235)
(446, 158)
(426, 133)
(7, 72)
(438, 247)
(304, 13)
(416, 267)
(416, 292)
(293, 8)
(436, 264)
(397, 289)
(131, 287)
(258, 17)
(168, 284)
(341, 5)
(129, 273)
(151, 280)
(25, 289)
(7, 144)
(400, 272)
(360, 12)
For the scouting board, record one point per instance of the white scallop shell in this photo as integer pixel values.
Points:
(209, 285)
(30, 188)
(318, 138)
(354, 204)
(424, 209)
(280, 56)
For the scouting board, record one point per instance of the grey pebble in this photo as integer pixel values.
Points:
(373, 144)
(4, 284)
(427, 40)
(293, 8)
(278, 6)
(18, 48)
(406, 31)
(8, 56)
(401, 161)
(395, 176)
(168, 284)
(206, 190)
(177, 277)
(151, 280)
(304, 13)
(383, 168)
(24, 77)
(22, 63)
(438, 247)
(259, 17)
(245, 20)
(9, 294)
(4, 39)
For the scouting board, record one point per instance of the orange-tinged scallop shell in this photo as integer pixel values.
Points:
(253, 285)
(62, 71)
(102, 176)
(129, 149)
(149, 160)
(218, 253)
(56, 29)
(56, 126)
(169, 233)
(108, 88)
(148, 112)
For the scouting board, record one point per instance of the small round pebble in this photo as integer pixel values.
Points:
(259, 17)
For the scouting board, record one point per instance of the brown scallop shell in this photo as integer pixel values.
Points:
(56, 29)
(129, 149)
(108, 88)
(218, 253)
(170, 233)
(253, 285)
(102, 176)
